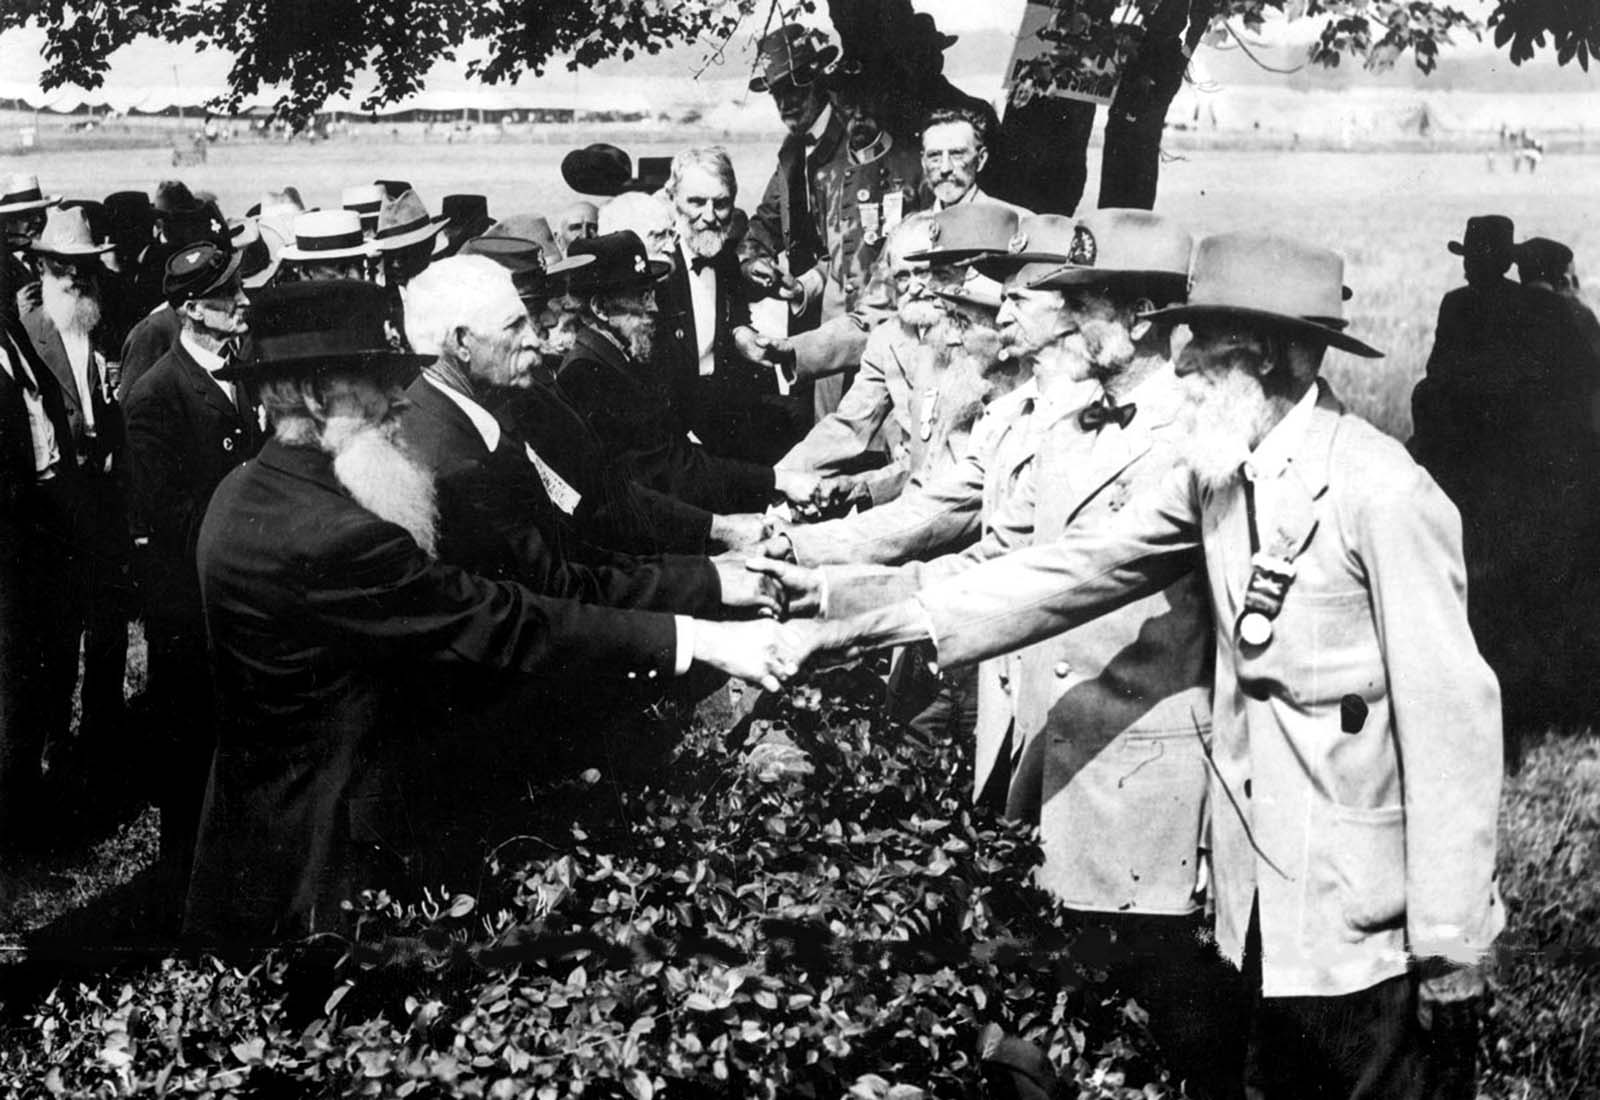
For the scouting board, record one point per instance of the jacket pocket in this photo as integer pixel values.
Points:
(1366, 854)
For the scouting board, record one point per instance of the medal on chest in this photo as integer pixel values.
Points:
(1272, 571)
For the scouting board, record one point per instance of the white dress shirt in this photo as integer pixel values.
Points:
(703, 299)
(209, 361)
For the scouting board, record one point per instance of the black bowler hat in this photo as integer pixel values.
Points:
(302, 328)
(393, 189)
(620, 263)
(198, 271)
(598, 169)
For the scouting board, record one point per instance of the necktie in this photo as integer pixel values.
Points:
(1106, 411)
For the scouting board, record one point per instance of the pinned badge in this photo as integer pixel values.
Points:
(1270, 578)
(1255, 628)
(227, 443)
(1018, 242)
(1083, 250)
(864, 195)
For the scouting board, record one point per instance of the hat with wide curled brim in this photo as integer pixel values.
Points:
(302, 329)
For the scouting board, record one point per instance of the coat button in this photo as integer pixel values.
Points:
(633, 675)
(1063, 669)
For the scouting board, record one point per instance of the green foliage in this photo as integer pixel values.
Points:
(817, 912)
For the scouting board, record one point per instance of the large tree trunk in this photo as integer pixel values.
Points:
(1131, 164)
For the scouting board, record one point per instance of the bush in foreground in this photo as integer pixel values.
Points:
(816, 912)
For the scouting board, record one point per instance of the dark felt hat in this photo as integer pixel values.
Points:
(1280, 282)
(533, 275)
(302, 328)
(620, 263)
(792, 52)
(197, 272)
(393, 189)
(598, 169)
(468, 214)
(1540, 258)
(1486, 235)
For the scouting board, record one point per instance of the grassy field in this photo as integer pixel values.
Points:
(1390, 214)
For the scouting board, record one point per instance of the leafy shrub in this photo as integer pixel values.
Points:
(815, 911)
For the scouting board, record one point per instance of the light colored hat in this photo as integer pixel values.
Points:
(964, 233)
(404, 221)
(366, 200)
(1260, 277)
(1123, 247)
(327, 235)
(1040, 245)
(257, 248)
(528, 227)
(66, 233)
(22, 194)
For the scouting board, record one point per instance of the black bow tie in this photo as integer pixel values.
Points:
(1106, 411)
(697, 264)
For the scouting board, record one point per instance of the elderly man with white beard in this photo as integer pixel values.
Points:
(1356, 751)
(1091, 734)
(95, 598)
(324, 598)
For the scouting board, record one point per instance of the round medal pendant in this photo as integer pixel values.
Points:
(1255, 628)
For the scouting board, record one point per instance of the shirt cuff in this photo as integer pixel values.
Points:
(684, 653)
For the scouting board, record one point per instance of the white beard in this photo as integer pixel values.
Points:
(704, 243)
(919, 313)
(1222, 418)
(383, 478)
(1109, 348)
(73, 313)
(638, 332)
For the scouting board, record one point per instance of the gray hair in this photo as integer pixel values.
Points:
(713, 158)
(458, 292)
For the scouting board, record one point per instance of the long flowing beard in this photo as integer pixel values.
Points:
(1223, 418)
(73, 311)
(919, 313)
(638, 331)
(706, 243)
(383, 478)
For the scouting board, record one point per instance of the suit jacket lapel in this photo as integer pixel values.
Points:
(53, 350)
(206, 387)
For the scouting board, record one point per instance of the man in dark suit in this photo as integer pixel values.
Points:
(714, 361)
(186, 430)
(63, 328)
(36, 500)
(323, 595)
(612, 376)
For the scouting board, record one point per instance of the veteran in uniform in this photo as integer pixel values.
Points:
(1355, 753)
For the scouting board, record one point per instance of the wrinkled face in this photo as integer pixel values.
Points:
(1226, 408)
(799, 105)
(75, 276)
(704, 203)
(24, 228)
(578, 221)
(951, 160)
(223, 314)
(503, 349)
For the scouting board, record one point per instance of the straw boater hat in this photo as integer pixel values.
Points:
(792, 52)
(620, 262)
(22, 194)
(66, 234)
(1290, 286)
(327, 235)
(404, 221)
(1128, 248)
(303, 328)
(365, 199)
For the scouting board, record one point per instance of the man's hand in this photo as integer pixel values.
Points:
(746, 588)
(1449, 993)
(760, 652)
(769, 280)
(841, 493)
(797, 486)
(744, 531)
(759, 349)
(802, 587)
(777, 545)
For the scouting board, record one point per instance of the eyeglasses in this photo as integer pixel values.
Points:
(958, 157)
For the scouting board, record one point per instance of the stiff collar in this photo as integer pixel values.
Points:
(876, 151)
(1272, 455)
(487, 426)
(208, 361)
(820, 126)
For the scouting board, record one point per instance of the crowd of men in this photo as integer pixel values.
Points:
(390, 490)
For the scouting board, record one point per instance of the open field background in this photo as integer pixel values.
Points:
(1389, 213)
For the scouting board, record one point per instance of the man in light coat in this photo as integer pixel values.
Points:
(1356, 753)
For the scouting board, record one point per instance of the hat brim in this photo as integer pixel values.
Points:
(363, 251)
(1076, 275)
(550, 282)
(434, 227)
(990, 304)
(821, 60)
(654, 271)
(955, 255)
(405, 364)
(1329, 335)
(71, 251)
(41, 203)
(1003, 265)
(261, 278)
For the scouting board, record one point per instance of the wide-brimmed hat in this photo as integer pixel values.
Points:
(257, 249)
(404, 221)
(328, 235)
(620, 263)
(366, 199)
(528, 227)
(792, 52)
(22, 194)
(393, 189)
(1125, 248)
(67, 234)
(467, 215)
(198, 271)
(301, 328)
(1040, 245)
(598, 169)
(1486, 235)
(1256, 276)
(534, 275)
(960, 234)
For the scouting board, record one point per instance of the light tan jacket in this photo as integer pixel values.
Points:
(1358, 752)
